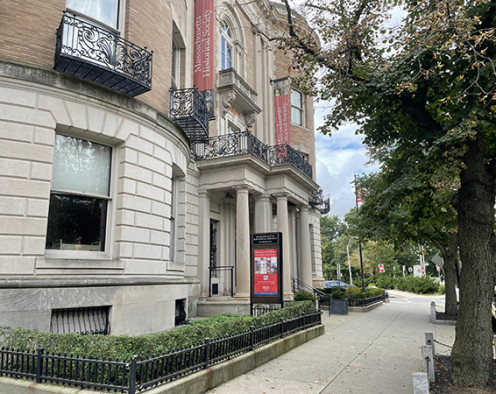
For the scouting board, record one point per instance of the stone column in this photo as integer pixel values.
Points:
(204, 240)
(283, 227)
(263, 214)
(242, 243)
(305, 251)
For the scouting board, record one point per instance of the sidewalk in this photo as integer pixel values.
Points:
(363, 353)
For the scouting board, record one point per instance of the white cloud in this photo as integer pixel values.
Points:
(339, 157)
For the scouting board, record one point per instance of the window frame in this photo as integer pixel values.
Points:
(300, 109)
(226, 42)
(108, 249)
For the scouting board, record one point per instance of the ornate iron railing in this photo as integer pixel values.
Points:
(139, 375)
(92, 52)
(244, 142)
(189, 110)
(285, 154)
(320, 202)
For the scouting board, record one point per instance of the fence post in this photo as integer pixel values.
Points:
(207, 352)
(132, 375)
(428, 362)
(252, 337)
(429, 340)
(281, 321)
(39, 364)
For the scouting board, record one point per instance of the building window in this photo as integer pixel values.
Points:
(296, 108)
(226, 47)
(80, 195)
(104, 11)
(177, 58)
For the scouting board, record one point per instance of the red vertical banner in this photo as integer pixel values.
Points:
(283, 111)
(203, 71)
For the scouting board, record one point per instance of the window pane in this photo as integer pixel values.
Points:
(296, 99)
(228, 56)
(296, 116)
(76, 223)
(104, 11)
(81, 166)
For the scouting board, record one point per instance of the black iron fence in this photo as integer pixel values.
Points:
(366, 301)
(262, 309)
(139, 375)
(245, 142)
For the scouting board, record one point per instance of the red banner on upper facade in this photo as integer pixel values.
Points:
(283, 111)
(203, 76)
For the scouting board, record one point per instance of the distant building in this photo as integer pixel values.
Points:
(141, 143)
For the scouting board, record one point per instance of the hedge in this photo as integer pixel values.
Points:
(123, 347)
(422, 285)
(354, 293)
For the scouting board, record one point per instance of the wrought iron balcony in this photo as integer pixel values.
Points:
(246, 143)
(99, 55)
(320, 202)
(188, 109)
(285, 154)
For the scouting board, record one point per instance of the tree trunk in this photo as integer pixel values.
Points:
(449, 267)
(472, 355)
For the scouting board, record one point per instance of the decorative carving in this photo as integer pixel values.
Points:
(250, 119)
(227, 99)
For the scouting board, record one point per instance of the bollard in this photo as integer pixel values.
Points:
(433, 312)
(428, 362)
(420, 383)
(429, 340)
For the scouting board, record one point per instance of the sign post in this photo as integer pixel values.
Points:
(266, 269)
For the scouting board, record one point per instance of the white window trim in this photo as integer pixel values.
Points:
(109, 230)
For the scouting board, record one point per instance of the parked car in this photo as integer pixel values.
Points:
(336, 283)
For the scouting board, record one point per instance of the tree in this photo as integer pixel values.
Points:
(423, 90)
(404, 205)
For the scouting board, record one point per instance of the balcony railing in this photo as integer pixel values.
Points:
(188, 109)
(91, 52)
(246, 143)
(320, 202)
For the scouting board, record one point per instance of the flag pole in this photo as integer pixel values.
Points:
(359, 237)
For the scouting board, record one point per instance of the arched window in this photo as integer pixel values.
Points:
(226, 47)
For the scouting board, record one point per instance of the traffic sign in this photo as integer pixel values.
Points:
(381, 268)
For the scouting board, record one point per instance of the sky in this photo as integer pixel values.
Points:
(339, 157)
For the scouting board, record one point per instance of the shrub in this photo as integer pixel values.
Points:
(385, 281)
(356, 293)
(123, 347)
(304, 296)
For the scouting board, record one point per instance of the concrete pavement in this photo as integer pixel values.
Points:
(373, 352)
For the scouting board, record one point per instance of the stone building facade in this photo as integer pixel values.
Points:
(127, 197)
